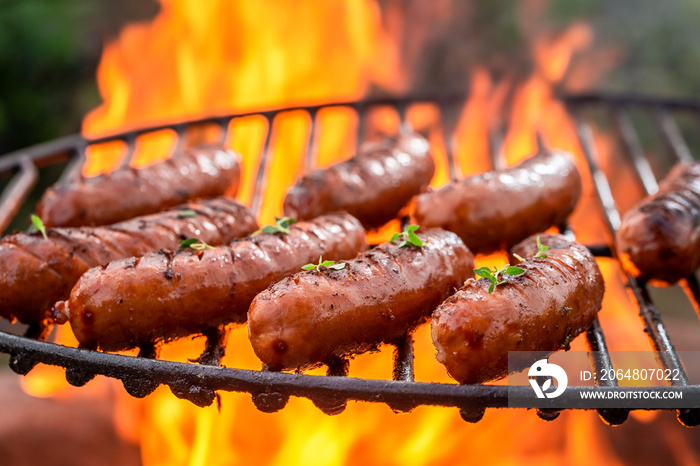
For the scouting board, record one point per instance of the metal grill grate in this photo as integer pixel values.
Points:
(270, 390)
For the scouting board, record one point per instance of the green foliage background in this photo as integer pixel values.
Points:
(49, 50)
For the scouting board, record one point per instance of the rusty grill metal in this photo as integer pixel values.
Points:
(199, 382)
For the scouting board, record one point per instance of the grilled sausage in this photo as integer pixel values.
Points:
(36, 272)
(373, 186)
(495, 210)
(163, 296)
(555, 299)
(660, 237)
(313, 317)
(201, 172)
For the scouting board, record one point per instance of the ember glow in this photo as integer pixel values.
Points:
(208, 58)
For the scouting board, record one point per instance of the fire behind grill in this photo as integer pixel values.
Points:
(198, 383)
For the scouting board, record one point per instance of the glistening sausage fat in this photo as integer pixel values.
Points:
(555, 299)
(163, 296)
(200, 172)
(315, 316)
(497, 209)
(36, 272)
(660, 237)
(373, 186)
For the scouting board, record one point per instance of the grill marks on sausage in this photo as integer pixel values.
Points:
(660, 237)
(473, 330)
(25, 249)
(377, 297)
(201, 172)
(373, 186)
(36, 272)
(169, 295)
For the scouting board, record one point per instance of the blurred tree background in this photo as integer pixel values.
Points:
(659, 42)
(49, 49)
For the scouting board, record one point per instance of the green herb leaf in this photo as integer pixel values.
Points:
(186, 213)
(187, 243)
(194, 243)
(408, 237)
(269, 229)
(495, 274)
(541, 250)
(281, 226)
(521, 259)
(39, 225)
(322, 263)
(414, 240)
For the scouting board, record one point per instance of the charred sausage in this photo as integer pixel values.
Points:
(201, 172)
(163, 296)
(373, 186)
(495, 210)
(555, 299)
(313, 317)
(660, 237)
(36, 272)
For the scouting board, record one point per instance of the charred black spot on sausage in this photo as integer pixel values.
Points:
(279, 346)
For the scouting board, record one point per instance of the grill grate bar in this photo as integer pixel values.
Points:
(359, 106)
(634, 150)
(691, 288)
(448, 120)
(361, 126)
(224, 125)
(647, 308)
(74, 169)
(260, 177)
(130, 141)
(600, 181)
(651, 317)
(270, 390)
(671, 134)
(17, 191)
(403, 348)
(309, 386)
(312, 146)
(680, 152)
(403, 359)
(603, 98)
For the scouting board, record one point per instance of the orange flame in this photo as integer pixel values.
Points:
(216, 57)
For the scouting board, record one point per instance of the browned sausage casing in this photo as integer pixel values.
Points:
(36, 272)
(660, 237)
(555, 299)
(373, 186)
(495, 210)
(201, 172)
(312, 317)
(163, 296)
